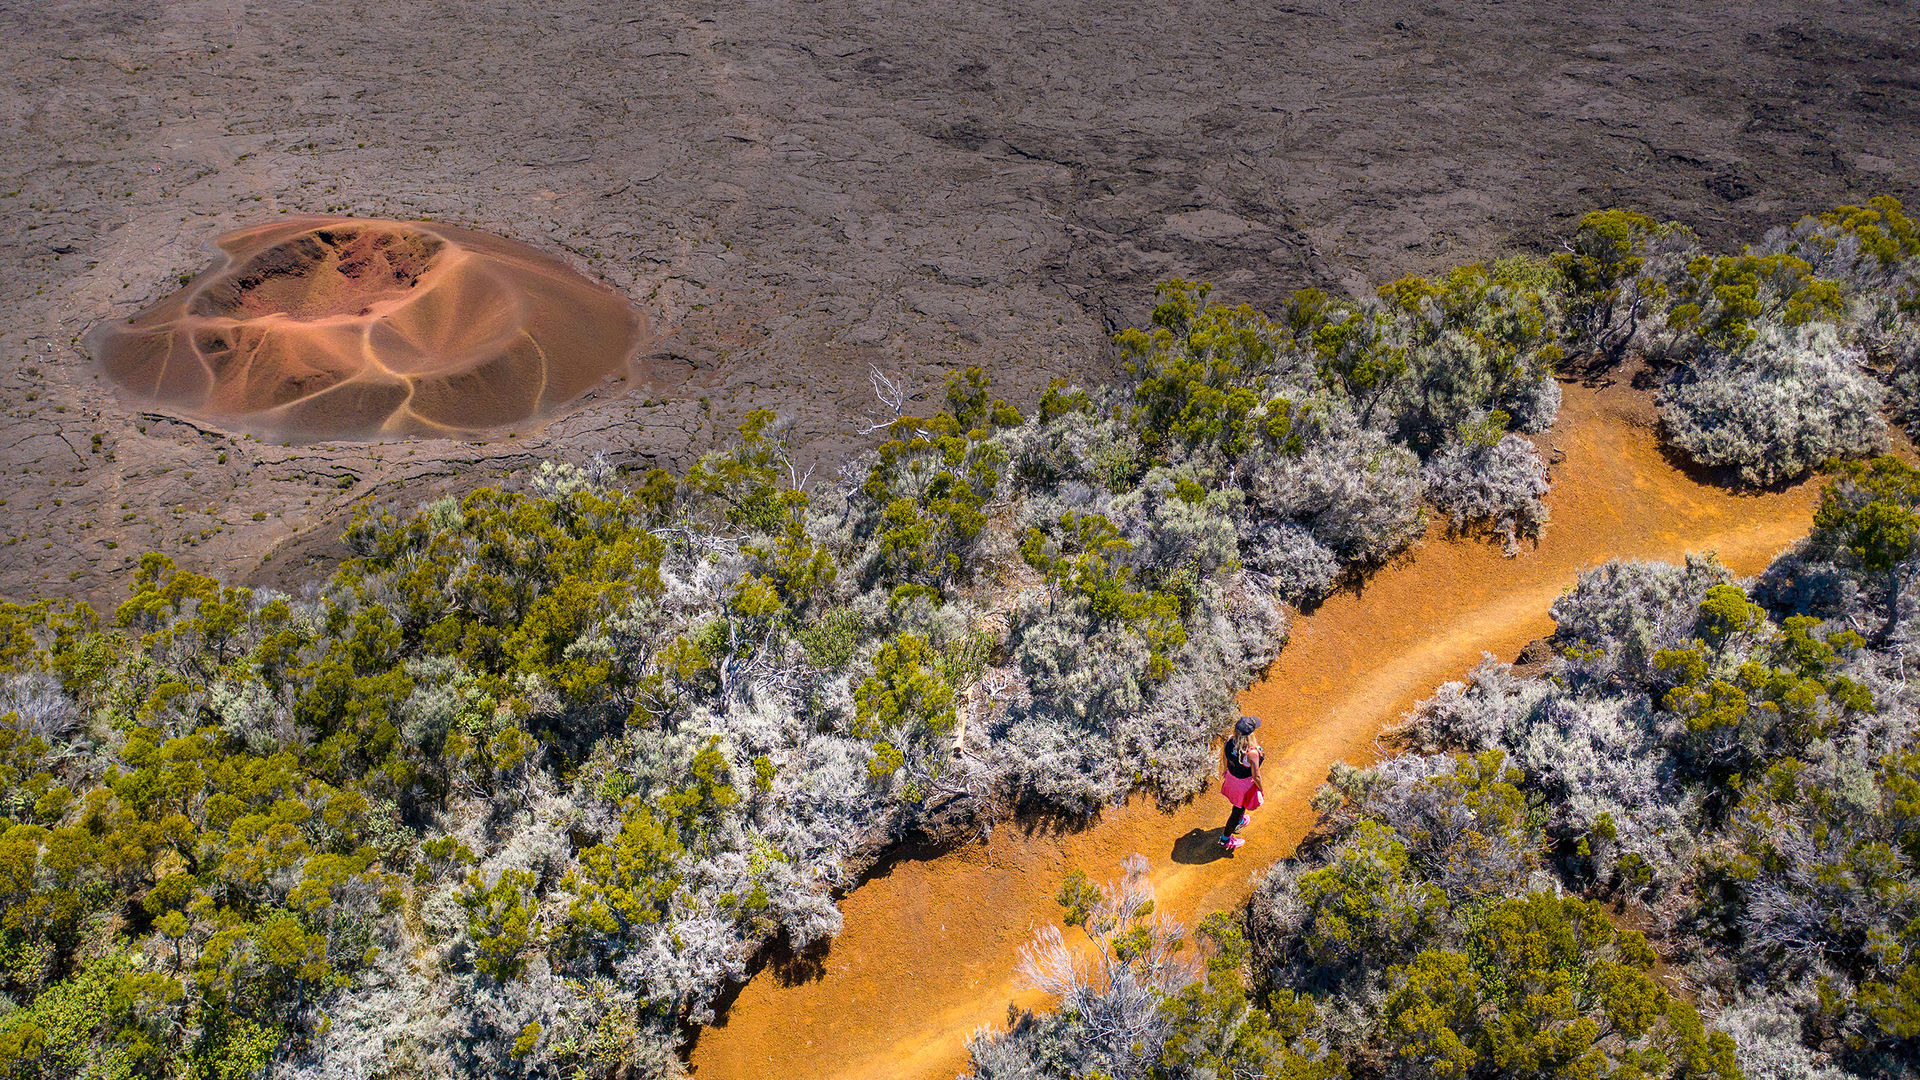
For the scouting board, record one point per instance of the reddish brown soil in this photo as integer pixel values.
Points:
(343, 269)
(339, 328)
(928, 951)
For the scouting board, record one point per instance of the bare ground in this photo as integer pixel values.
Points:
(796, 191)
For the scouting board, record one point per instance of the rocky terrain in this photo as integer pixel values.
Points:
(798, 193)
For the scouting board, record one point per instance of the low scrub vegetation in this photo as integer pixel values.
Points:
(531, 777)
(526, 783)
(1774, 358)
(1689, 848)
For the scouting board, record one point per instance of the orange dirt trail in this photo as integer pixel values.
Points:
(928, 950)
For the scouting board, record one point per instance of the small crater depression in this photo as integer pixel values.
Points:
(340, 328)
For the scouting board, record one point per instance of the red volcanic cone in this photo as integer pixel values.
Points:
(327, 328)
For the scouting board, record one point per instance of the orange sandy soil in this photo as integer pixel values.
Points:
(928, 950)
(345, 328)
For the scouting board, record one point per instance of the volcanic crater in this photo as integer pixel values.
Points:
(344, 328)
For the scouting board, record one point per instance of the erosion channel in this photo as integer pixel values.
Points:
(929, 946)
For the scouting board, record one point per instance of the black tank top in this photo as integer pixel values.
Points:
(1236, 764)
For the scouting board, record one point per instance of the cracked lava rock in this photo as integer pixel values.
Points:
(343, 328)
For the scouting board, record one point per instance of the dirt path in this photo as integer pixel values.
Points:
(928, 951)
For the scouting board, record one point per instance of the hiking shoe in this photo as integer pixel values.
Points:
(1232, 843)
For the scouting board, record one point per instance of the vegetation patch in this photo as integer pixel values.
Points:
(526, 783)
(1687, 849)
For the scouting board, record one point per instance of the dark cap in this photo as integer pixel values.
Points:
(1246, 725)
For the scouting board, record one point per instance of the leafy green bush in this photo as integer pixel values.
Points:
(1609, 293)
(922, 505)
(907, 708)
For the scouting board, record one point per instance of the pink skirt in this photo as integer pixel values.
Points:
(1244, 794)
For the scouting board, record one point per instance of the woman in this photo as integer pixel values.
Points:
(1240, 780)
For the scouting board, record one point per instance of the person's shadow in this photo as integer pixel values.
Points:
(1198, 847)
